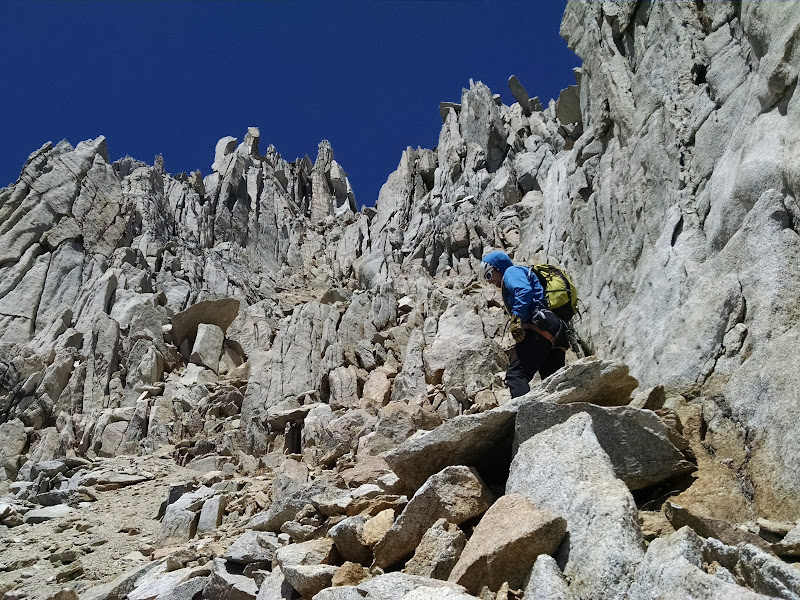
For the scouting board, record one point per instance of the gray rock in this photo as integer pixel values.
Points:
(564, 470)
(211, 514)
(394, 586)
(157, 583)
(397, 421)
(275, 587)
(253, 547)
(424, 592)
(124, 583)
(464, 440)
(520, 95)
(673, 567)
(760, 571)
(13, 440)
(680, 516)
(455, 493)
(344, 387)
(286, 507)
(349, 539)
(459, 355)
(345, 592)
(229, 586)
(601, 382)
(186, 590)
(40, 515)
(639, 444)
(312, 552)
(546, 581)
(179, 523)
(568, 107)
(176, 490)
(207, 347)
(308, 580)
(216, 312)
(438, 551)
(481, 124)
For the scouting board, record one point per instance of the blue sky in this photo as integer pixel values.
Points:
(173, 77)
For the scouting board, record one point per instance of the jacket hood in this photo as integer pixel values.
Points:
(499, 260)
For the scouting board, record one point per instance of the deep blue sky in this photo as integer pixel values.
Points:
(173, 77)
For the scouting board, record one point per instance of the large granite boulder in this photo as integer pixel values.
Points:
(565, 471)
(642, 448)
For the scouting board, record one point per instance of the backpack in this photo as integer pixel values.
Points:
(559, 291)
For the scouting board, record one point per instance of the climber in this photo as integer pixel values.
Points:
(540, 336)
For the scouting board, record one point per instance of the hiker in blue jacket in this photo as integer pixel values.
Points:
(540, 336)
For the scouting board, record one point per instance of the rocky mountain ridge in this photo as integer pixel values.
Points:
(333, 377)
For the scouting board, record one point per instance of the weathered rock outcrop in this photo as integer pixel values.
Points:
(328, 381)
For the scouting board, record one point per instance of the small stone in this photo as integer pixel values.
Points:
(350, 573)
(71, 571)
(376, 527)
(40, 515)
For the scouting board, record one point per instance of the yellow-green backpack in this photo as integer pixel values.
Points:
(560, 292)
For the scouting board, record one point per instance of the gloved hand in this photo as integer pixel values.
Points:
(517, 331)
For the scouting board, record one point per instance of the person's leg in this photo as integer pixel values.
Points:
(554, 361)
(530, 354)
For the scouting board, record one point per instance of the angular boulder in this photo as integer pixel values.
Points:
(463, 440)
(312, 552)
(309, 580)
(438, 551)
(565, 470)
(593, 380)
(455, 493)
(506, 543)
(224, 585)
(546, 581)
(673, 567)
(349, 539)
(207, 347)
(641, 447)
(216, 312)
(275, 587)
(395, 586)
(253, 547)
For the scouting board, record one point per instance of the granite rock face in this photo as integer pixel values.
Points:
(695, 294)
(328, 380)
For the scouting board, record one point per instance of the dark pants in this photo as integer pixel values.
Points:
(535, 353)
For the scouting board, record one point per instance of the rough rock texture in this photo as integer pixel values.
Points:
(438, 551)
(641, 446)
(455, 493)
(546, 581)
(674, 567)
(355, 354)
(564, 470)
(506, 543)
(686, 147)
(462, 440)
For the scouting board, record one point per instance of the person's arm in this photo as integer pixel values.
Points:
(520, 294)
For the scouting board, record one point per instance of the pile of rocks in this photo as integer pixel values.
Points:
(325, 384)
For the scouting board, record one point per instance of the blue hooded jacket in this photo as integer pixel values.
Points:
(522, 292)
